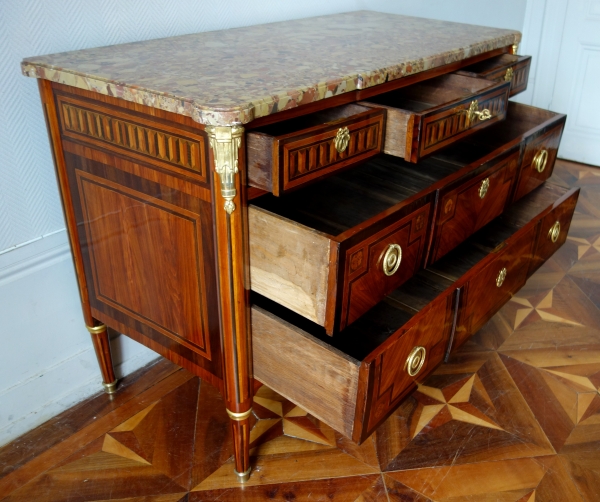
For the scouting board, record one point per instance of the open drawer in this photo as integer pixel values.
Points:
(289, 154)
(507, 150)
(427, 116)
(515, 256)
(538, 133)
(354, 380)
(332, 250)
(506, 67)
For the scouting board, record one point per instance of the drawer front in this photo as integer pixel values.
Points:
(517, 74)
(508, 68)
(538, 161)
(381, 263)
(279, 163)
(493, 285)
(471, 205)
(439, 128)
(553, 231)
(394, 369)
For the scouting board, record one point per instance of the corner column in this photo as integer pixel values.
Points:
(230, 217)
(98, 331)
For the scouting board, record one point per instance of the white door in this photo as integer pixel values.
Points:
(565, 37)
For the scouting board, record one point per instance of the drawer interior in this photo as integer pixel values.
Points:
(350, 198)
(311, 120)
(378, 324)
(521, 122)
(433, 92)
(329, 375)
(492, 64)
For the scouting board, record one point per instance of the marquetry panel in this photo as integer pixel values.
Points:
(146, 259)
(365, 282)
(391, 381)
(322, 154)
(529, 176)
(139, 137)
(463, 210)
(436, 130)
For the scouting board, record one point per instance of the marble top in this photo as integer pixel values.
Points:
(237, 75)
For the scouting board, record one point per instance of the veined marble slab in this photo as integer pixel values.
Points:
(237, 75)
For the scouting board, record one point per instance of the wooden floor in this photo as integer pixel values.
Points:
(515, 416)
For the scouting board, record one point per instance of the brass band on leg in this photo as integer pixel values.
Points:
(96, 330)
(239, 416)
(243, 477)
(110, 388)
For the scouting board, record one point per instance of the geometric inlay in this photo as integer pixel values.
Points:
(148, 141)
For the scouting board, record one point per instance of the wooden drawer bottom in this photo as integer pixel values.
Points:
(354, 380)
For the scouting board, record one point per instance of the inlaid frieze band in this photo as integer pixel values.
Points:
(154, 143)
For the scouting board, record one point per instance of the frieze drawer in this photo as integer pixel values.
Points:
(292, 153)
(506, 67)
(334, 249)
(425, 117)
(354, 380)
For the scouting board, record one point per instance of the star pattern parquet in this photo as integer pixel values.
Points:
(514, 416)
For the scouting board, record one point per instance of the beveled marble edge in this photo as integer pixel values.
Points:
(261, 107)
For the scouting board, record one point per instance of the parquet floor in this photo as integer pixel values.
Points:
(514, 416)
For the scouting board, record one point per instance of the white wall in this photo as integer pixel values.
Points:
(47, 362)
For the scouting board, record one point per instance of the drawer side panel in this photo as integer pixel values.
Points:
(289, 263)
(308, 373)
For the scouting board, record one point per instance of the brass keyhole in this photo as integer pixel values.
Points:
(473, 112)
(501, 276)
(483, 188)
(508, 76)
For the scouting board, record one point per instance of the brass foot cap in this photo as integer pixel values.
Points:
(244, 476)
(110, 388)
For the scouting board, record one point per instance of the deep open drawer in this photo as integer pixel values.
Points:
(505, 67)
(507, 149)
(425, 117)
(355, 379)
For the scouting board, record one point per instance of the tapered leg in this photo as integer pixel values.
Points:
(230, 212)
(101, 343)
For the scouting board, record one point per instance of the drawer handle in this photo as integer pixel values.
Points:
(473, 112)
(540, 160)
(554, 232)
(508, 76)
(483, 188)
(341, 140)
(392, 259)
(501, 277)
(415, 360)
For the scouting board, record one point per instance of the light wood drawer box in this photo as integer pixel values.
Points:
(355, 379)
(425, 117)
(289, 154)
(329, 251)
(506, 67)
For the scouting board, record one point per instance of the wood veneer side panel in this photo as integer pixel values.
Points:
(289, 263)
(51, 115)
(323, 382)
